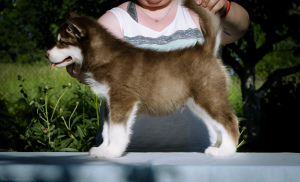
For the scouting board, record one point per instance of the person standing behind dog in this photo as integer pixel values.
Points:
(166, 25)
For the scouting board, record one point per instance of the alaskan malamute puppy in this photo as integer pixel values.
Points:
(141, 81)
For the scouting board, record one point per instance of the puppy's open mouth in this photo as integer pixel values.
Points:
(68, 59)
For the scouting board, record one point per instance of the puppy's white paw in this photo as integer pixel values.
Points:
(220, 152)
(110, 154)
(102, 152)
(96, 151)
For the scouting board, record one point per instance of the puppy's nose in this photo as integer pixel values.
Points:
(47, 55)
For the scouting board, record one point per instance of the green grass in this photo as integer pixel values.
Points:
(36, 75)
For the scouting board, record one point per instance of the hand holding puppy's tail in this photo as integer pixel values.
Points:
(210, 24)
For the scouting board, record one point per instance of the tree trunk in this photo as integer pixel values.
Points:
(251, 104)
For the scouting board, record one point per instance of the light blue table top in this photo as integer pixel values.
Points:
(149, 167)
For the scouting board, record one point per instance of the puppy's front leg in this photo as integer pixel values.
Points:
(118, 131)
(97, 151)
(115, 144)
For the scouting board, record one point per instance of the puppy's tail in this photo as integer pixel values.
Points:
(210, 24)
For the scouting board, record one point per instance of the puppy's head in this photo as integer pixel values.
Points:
(67, 49)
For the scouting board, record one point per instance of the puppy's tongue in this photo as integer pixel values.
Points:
(52, 65)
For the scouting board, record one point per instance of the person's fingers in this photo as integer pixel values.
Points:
(211, 3)
(76, 68)
(204, 3)
(198, 2)
(220, 7)
(70, 68)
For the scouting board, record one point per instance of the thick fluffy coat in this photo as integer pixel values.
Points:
(139, 81)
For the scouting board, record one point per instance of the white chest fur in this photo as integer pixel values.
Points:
(100, 89)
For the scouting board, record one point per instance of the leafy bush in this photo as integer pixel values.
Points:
(54, 126)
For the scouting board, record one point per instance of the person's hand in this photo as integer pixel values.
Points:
(75, 71)
(215, 6)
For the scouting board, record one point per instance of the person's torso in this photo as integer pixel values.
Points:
(181, 33)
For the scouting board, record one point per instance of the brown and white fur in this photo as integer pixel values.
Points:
(140, 81)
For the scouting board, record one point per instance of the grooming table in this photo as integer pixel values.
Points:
(149, 167)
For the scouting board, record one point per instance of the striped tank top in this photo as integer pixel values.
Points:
(181, 33)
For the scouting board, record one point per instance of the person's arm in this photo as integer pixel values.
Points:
(235, 23)
(111, 23)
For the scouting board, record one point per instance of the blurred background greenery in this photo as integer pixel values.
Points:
(264, 66)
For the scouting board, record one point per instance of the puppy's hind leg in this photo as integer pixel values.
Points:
(225, 123)
(118, 132)
(229, 137)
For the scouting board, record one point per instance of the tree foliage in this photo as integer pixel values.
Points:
(28, 27)
(270, 48)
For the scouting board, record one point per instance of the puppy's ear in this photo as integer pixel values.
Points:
(74, 30)
(73, 15)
